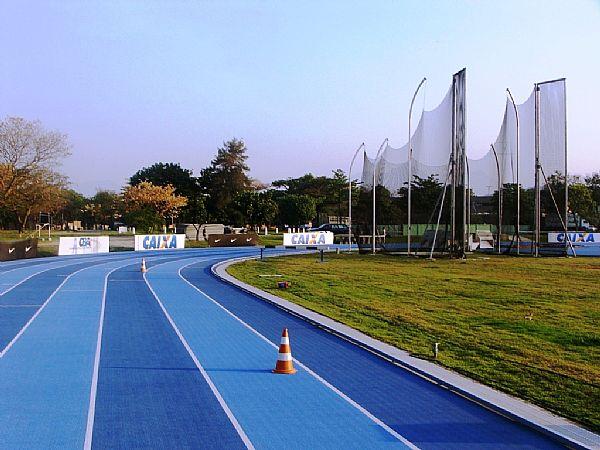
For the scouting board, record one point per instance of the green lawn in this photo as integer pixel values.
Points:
(476, 309)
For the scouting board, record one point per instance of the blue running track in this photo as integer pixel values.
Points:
(95, 354)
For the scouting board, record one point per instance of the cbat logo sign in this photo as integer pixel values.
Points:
(83, 245)
(159, 241)
(85, 242)
(310, 238)
(586, 238)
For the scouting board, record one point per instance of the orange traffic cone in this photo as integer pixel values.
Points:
(144, 270)
(284, 358)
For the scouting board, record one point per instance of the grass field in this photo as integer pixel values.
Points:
(528, 327)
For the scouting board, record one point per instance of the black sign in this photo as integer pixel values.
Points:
(18, 249)
(232, 240)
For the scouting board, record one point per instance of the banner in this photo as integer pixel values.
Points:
(159, 241)
(575, 237)
(83, 245)
(308, 238)
(232, 240)
(18, 249)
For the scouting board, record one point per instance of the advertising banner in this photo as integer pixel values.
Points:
(232, 240)
(308, 238)
(83, 245)
(159, 241)
(26, 248)
(575, 237)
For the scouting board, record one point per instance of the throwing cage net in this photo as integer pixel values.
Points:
(500, 202)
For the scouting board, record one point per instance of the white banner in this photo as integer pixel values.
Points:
(308, 238)
(159, 241)
(83, 245)
(575, 237)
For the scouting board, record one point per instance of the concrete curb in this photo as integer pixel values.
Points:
(559, 428)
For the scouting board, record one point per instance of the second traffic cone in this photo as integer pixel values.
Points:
(144, 270)
(284, 358)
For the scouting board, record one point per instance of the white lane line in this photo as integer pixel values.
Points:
(89, 430)
(37, 313)
(306, 368)
(12, 286)
(205, 375)
(70, 263)
(19, 306)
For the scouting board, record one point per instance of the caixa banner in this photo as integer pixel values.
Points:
(159, 241)
(575, 237)
(308, 238)
(83, 245)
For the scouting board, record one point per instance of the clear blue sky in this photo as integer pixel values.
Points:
(133, 83)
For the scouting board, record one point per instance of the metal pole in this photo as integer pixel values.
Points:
(410, 161)
(467, 206)
(453, 165)
(518, 230)
(537, 172)
(374, 186)
(499, 197)
(567, 240)
(350, 197)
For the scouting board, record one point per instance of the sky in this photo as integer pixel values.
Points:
(303, 83)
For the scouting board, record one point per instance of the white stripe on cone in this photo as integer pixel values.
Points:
(284, 356)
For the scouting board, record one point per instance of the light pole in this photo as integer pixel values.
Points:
(383, 144)
(350, 197)
(410, 161)
(518, 230)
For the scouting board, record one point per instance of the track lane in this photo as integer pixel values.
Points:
(301, 411)
(45, 378)
(150, 394)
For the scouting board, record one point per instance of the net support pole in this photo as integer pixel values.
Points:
(453, 172)
(499, 197)
(350, 197)
(409, 211)
(538, 208)
(375, 164)
(566, 224)
(518, 230)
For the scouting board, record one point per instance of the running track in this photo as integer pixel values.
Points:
(93, 354)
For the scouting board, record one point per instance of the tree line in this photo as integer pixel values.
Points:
(166, 193)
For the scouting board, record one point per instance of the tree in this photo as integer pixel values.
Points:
(185, 184)
(225, 178)
(147, 206)
(425, 195)
(73, 206)
(26, 149)
(163, 174)
(195, 212)
(581, 198)
(509, 205)
(593, 184)
(330, 194)
(296, 209)
(255, 208)
(41, 190)
(104, 208)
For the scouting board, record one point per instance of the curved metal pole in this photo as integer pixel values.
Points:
(385, 141)
(410, 161)
(350, 197)
(518, 185)
(499, 197)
